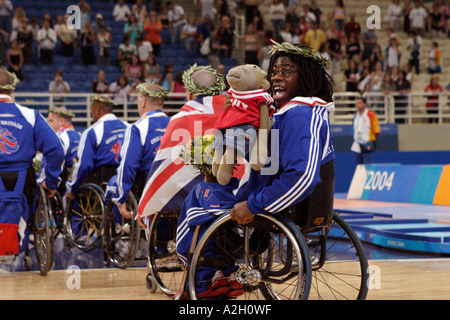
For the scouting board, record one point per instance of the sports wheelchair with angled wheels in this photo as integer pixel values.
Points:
(164, 268)
(84, 215)
(123, 238)
(265, 259)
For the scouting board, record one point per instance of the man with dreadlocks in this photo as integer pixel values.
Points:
(142, 140)
(98, 153)
(302, 91)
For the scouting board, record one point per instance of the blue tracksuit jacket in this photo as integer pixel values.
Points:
(142, 140)
(100, 145)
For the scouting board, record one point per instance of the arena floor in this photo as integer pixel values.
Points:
(401, 275)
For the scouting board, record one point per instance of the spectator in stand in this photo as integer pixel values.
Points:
(433, 100)
(166, 31)
(406, 11)
(213, 56)
(409, 74)
(286, 34)
(6, 10)
(4, 42)
(67, 37)
(395, 13)
(334, 49)
(133, 29)
(403, 87)
(125, 51)
(364, 76)
(203, 29)
(14, 58)
(315, 37)
(277, 13)
(434, 59)
(352, 28)
(251, 46)
(120, 89)
(291, 16)
(86, 39)
(166, 80)
(99, 23)
(418, 18)
(25, 38)
(206, 7)
(177, 20)
(226, 36)
(250, 8)
(58, 85)
(258, 24)
(100, 85)
(369, 40)
(393, 53)
(188, 34)
(46, 39)
(414, 48)
(387, 86)
(377, 56)
(339, 15)
(178, 85)
(153, 28)
(151, 70)
(309, 17)
(437, 19)
(85, 11)
(394, 73)
(34, 27)
(144, 49)
(19, 15)
(376, 81)
(351, 77)
(134, 69)
(353, 50)
(297, 35)
(121, 11)
(104, 46)
(139, 11)
(316, 10)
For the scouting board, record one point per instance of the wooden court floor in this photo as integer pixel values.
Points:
(408, 279)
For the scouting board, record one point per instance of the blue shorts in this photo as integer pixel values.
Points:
(242, 138)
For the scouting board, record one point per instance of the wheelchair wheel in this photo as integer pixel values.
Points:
(339, 262)
(249, 257)
(43, 232)
(163, 265)
(57, 207)
(121, 236)
(83, 218)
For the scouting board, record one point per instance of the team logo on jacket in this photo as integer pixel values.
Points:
(8, 143)
(116, 150)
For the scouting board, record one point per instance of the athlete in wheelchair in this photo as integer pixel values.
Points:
(281, 239)
(98, 159)
(24, 204)
(122, 238)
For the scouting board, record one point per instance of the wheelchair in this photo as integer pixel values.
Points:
(274, 258)
(83, 215)
(121, 236)
(164, 268)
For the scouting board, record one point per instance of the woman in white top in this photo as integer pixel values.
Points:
(277, 14)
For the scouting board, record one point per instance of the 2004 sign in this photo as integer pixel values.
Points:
(377, 180)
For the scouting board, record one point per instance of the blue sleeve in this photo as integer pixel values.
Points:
(131, 156)
(86, 160)
(300, 150)
(49, 144)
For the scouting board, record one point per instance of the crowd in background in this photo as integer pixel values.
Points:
(367, 64)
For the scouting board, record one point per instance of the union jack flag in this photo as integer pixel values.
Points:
(170, 180)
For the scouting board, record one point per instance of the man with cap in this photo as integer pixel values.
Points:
(99, 146)
(142, 140)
